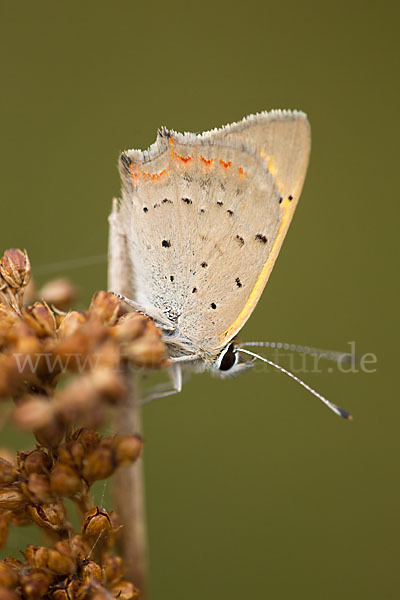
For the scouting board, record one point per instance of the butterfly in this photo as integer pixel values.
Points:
(198, 229)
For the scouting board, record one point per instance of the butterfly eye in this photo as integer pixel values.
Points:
(229, 358)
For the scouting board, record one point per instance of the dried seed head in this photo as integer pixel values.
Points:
(15, 268)
(90, 570)
(34, 461)
(77, 400)
(8, 473)
(80, 546)
(61, 560)
(41, 319)
(112, 568)
(3, 530)
(64, 480)
(129, 327)
(127, 449)
(71, 323)
(7, 594)
(59, 591)
(148, 350)
(60, 292)
(37, 488)
(104, 307)
(125, 590)
(99, 464)
(33, 413)
(36, 556)
(12, 498)
(109, 384)
(35, 583)
(71, 453)
(50, 435)
(89, 438)
(93, 590)
(8, 575)
(50, 516)
(96, 522)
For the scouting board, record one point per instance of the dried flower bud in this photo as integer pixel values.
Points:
(12, 498)
(89, 438)
(8, 473)
(13, 562)
(3, 530)
(60, 292)
(77, 400)
(15, 268)
(8, 319)
(50, 435)
(109, 384)
(148, 350)
(61, 560)
(8, 575)
(19, 518)
(71, 323)
(104, 307)
(7, 455)
(37, 488)
(64, 480)
(80, 546)
(59, 591)
(36, 556)
(90, 570)
(35, 583)
(112, 568)
(129, 327)
(125, 590)
(34, 461)
(71, 453)
(41, 319)
(51, 516)
(7, 594)
(96, 522)
(99, 464)
(34, 413)
(93, 591)
(127, 449)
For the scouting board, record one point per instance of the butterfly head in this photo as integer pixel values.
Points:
(227, 362)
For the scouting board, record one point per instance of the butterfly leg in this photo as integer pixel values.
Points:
(175, 374)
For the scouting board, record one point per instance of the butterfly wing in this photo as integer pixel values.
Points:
(204, 217)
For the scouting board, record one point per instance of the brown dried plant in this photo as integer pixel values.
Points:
(65, 372)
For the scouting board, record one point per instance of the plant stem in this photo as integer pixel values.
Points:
(130, 496)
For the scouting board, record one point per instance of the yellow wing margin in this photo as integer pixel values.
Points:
(282, 139)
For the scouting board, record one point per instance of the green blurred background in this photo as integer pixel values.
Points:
(254, 489)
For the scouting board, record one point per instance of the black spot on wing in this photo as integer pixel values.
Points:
(187, 201)
(240, 240)
(261, 238)
(166, 244)
(213, 305)
(145, 209)
(238, 282)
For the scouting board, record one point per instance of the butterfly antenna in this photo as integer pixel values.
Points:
(336, 409)
(332, 355)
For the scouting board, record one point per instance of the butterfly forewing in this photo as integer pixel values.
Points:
(205, 217)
